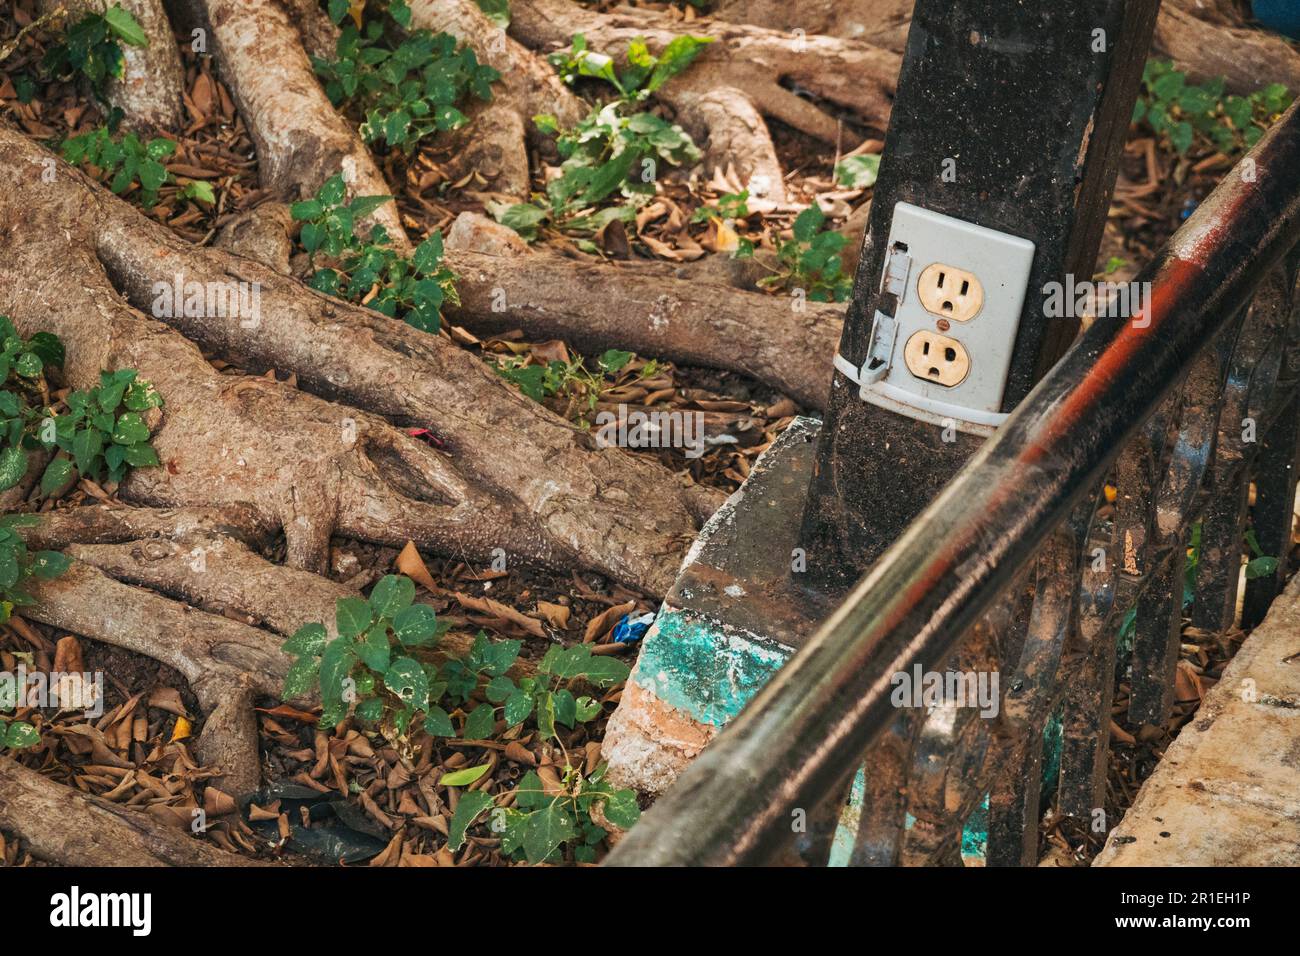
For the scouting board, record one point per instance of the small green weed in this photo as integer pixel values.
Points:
(810, 260)
(125, 162)
(405, 92)
(378, 670)
(1182, 113)
(371, 272)
(610, 159)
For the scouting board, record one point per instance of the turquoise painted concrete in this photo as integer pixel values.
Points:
(703, 668)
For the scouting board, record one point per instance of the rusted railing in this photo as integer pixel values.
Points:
(1022, 568)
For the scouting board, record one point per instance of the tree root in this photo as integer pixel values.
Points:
(301, 140)
(219, 574)
(1246, 58)
(102, 524)
(149, 92)
(736, 138)
(537, 487)
(683, 320)
(847, 73)
(67, 827)
(226, 663)
(1205, 40)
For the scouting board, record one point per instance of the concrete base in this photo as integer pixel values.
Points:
(1227, 792)
(735, 614)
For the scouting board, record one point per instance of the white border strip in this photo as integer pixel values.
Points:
(969, 420)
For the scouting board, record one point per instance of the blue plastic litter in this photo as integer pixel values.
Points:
(632, 629)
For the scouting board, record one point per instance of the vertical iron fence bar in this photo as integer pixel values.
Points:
(1085, 711)
(1013, 802)
(1218, 571)
(1160, 607)
(1156, 634)
(1087, 717)
(881, 820)
(1274, 514)
(1013, 809)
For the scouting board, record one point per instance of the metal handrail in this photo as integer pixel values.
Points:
(802, 737)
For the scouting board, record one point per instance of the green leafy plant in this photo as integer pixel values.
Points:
(406, 92)
(572, 378)
(126, 161)
(92, 47)
(378, 671)
(858, 172)
(371, 272)
(613, 153)
(1183, 113)
(1260, 565)
(103, 431)
(22, 392)
(368, 667)
(810, 260)
(101, 434)
(540, 821)
(17, 564)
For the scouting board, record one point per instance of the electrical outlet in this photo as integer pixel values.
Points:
(936, 358)
(945, 353)
(950, 293)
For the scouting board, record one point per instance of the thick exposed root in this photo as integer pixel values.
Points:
(320, 36)
(763, 63)
(67, 827)
(301, 140)
(102, 524)
(1247, 59)
(226, 663)
(209, 570)
(149, 92)
(538, 489)
(882, 23)
(781, 340)
(1205, 40)
(734, 137)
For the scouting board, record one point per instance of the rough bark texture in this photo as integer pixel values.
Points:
(512, 474)
(225, 662)
(735, 138)
(70, 828)
(1246, 58)
(221, 575)
(762, 63)
(597, 307)
(149, 92)
(320, 37)
(301, 140)
(103, 524)
(1204, 39)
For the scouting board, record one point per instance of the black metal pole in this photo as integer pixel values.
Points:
(805, 732)
(1010, 114)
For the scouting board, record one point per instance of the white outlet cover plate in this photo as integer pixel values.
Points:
(1001, 262)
